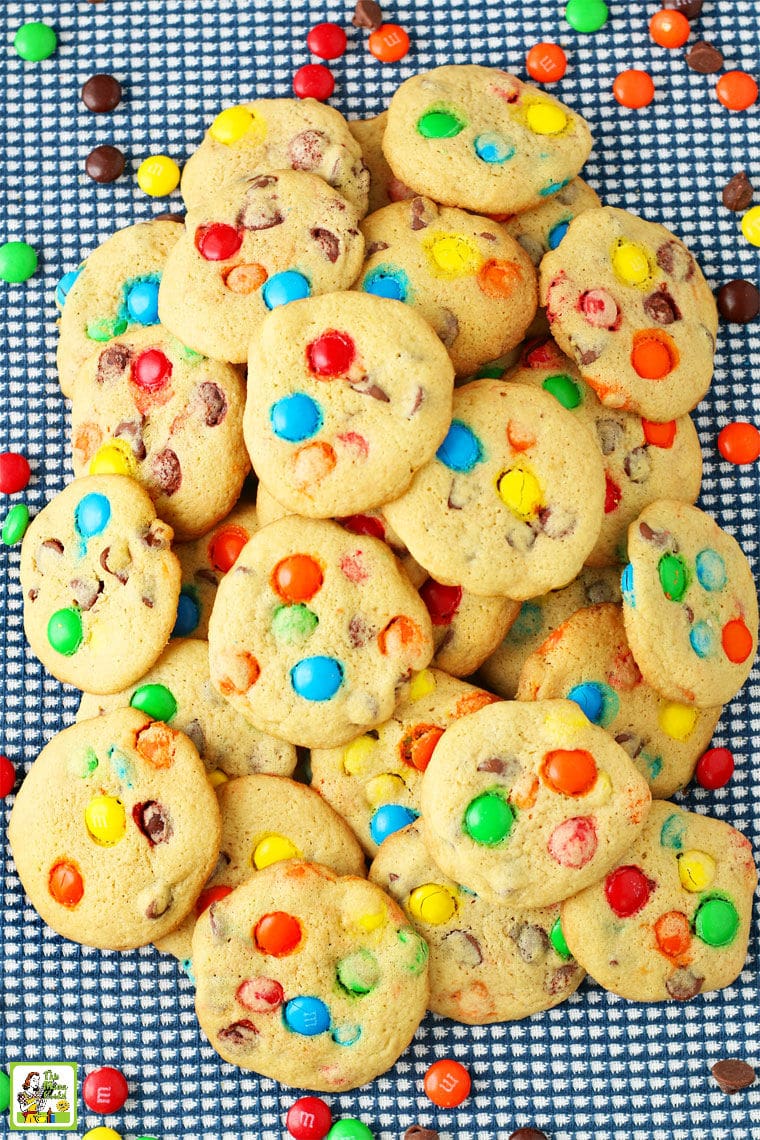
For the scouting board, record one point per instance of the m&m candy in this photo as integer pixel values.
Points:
(15, 472)
(389, 43)
(105, 1090)
(447, 1083)
(715, 768)
(736, 90)
(314, 81)
(158, 175)
(739, 442)
(308, 1118)
(669, 28)
(586, 16)
(328, 41)
(633, 88)
(7, 777)
(546, 63)
(18, 261)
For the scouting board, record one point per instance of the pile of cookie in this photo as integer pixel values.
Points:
(450, 483)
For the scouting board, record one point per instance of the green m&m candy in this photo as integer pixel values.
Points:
(5, 1091)
(564, 389)
(155, 701)
(295, 623)
(586, 15)
(488, 819)
(349, 1129)
(557, 939)
(18, 261)
(439, 125)
(359, 973)
(35, 41)
(65, 631)
(674, 577)
(16, 522)
(716, 921)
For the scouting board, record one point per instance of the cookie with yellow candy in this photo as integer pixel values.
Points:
(672, 919)
(542, 228)
(463, 273)
(277, 134)
(374, 780)
(487, 963)
(148, 407)
(527, 803)
(479, 138)
(114, 830)
(178, 691)
(266, 819)
(588, 660)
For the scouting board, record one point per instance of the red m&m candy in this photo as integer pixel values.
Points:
(739, 442)
(328, 41)
(314, 81)
(211, 895)
(627, 890)
(105, 1090)
(715, 768)
(331, 354)
(309, 1118)
(442, 602)
(218, 241)
(7, 777)
(14, 472)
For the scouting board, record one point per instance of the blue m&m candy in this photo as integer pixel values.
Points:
(307, 1015)
(702, 639)
(626, 586)
(386, 281)
(556, 234)
(461, 449)
(711, 570)
(296, 417)
(142, 303)
(282, 288)
(63, 287)
(188, 615)
(92, 514)
(317, 678)
(389, 818)
(492, 148)
(590, 698)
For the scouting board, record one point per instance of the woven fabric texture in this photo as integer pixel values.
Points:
(595, 1066)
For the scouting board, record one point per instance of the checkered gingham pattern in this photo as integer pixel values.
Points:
(596, 1066)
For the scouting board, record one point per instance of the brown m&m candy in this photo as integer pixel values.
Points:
(738, 301)
(104, 164)
(101, 93)
(738, 191)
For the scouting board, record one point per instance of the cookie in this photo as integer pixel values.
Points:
(537, 618)
(277, 134)
(384, 186)
(478, 138)
(313, 630)
(503, 508)
(335, 422)
(114, 830)
(100, 584)
(628, 302)
(116, 290)
(148, 407)
(204, 562)
(643, 461)
(543, 227)
(266, 819)
(313, 980)
(467, 627)
(178, 691)
(256, 244)
(487, 963)
(673, 919)
(690, 605)
(374, 780)
(587, 659)
(528, 803)
(464, 274)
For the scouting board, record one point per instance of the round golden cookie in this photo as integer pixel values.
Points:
(628, 302)
(374, 780)
(334, 421)
(100, 583)
(487, 963)
(478, 138)
(116, 290)
(204, 562)
(148, 407)
(266, 819)
(384, 187)
(178, 691)
(587, 659)
(543, 228)
(672, 920)
(313, 631)
(690, 605)
(471, 281)
(256, 244)
(277, 134)
(313, 980)
(537, 618)
(512, 503)
(528, 803)
(115, 830)
(643, 461)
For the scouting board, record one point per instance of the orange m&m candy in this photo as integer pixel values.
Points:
(739, 442)
(499, 278)
(546, 63)
(245, 278)
(633, 88)
(417, 746)
(389, 43)
(65, 884)
(571, 772)
(297, 578)
(211, 895)
(659, 435)
(225, 547)
(736, 90)
(669, 28)
(736, 640)
(447, 1083)
(673, 933)
(654, 355)
(277, 934)
(398, 633)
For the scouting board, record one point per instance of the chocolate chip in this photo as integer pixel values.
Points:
(589, 355)
(417, 1132)
(239, 1033)
(215, 401)
(104, 163)
(528, 1134)
(307, 150)
(328, 243)
(683, 984)
(207, 575)
(738, 301)
(419, 397)
(146, 601)
(632, 743)
(423, 212)
(101, 93)
(376, 247)
(365, 387)
(449, 327)
(170, 218)
(48, 555)
(112, 363)
(466, 947)
(131, 430)
(609, 433)
(704, 58)
(156, 900)
(733, 1075)
(661, 307)
(560, 979)
(360, 631)
(367, 14)
(691, 9)
(152, 819)
(487, 236)
(531, 941)
(662, 538)
(665, 257)
(599, 591)
(638, 464)
(32, 595)
(260, 215)
(197, 735)
(120, 572)
(556, 522)
(737, 193)
(167, 471)
(85, 592)
(262, 181)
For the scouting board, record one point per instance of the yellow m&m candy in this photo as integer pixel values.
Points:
(678, 721)
(158, 175)
(113, 458)
(273, 849)
(231, 124)
(696, 870)
(630, 263)
(106, 820)
(432, 903)
(520, 490)
(546, 119)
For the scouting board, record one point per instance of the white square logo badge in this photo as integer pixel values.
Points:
(43, 1096)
